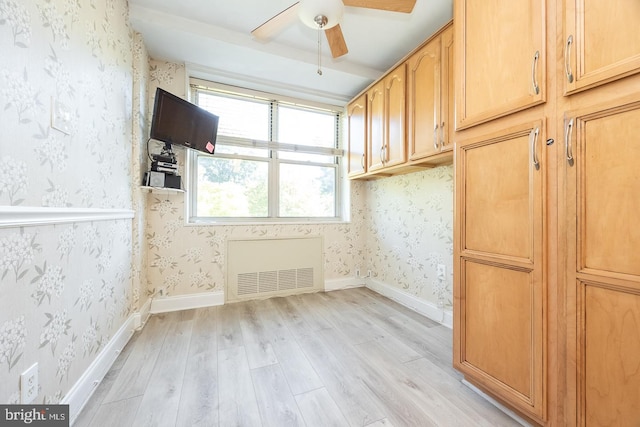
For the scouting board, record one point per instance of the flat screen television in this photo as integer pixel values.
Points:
(176, 121)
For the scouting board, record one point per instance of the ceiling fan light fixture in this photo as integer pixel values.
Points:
(332, 10)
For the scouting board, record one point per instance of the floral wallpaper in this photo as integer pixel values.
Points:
(191, 259)
(76, 53)
(66, 288)
(410, 223)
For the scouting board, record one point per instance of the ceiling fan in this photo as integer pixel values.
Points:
(325, 15)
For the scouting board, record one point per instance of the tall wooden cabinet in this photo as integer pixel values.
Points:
(600, 119)
(601, 155)
(546, 259)
(500, 290)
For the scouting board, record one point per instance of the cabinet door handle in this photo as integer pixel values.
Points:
(442, 136)
(381, 154)
(534, 142)
(435, 138)
(534, 66)
(567, 59)
(567, 141)
(362, 161)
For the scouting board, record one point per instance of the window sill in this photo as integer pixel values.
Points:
(232, 223)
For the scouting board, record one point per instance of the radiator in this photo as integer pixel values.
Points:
(261, 268)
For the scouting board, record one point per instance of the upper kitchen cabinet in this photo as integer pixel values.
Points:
(386, 113)
(602, 42)
(500, 58)
(357, 124)
(430, 97)
(375, 127)
(395, 151)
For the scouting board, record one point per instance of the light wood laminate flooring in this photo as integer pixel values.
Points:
(342, 358)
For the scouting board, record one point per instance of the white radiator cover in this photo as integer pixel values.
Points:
(261, 268)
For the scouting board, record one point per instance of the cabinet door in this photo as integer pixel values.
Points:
(424, 101)
(602, 42)
(394, 151)
(500, 51)
(357, 123)
(498, 282)
(447, 92)
(375, 127)
(603, 265)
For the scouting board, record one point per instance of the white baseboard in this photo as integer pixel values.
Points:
(82, 390)
(426, 308)
(338, 284)
(187, 302)
(142, 316)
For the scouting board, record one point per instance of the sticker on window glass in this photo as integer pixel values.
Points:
(210, 147)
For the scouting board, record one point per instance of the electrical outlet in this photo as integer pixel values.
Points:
(357, 273)
(442, 271)
(29, 384)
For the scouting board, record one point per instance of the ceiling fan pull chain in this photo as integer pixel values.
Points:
(320, 21)
(319, 52)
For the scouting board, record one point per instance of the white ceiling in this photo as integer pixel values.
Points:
(212, 38)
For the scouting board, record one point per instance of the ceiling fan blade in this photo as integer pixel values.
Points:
(277, 23)
(404, 6)
(336, 41)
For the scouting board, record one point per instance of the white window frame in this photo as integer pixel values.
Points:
(272, 158)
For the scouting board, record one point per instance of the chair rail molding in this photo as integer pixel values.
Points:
(24, 216)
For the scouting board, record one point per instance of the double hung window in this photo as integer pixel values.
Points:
(274, 160)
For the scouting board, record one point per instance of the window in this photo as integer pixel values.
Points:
(274, 161)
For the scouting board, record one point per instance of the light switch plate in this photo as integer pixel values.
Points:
(60, 116)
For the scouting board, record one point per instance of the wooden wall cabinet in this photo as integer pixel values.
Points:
(375, 127)
(500, 58)
(602, 43)
(357, 136)
(430, 97)
(410, 109)
(386, 113)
